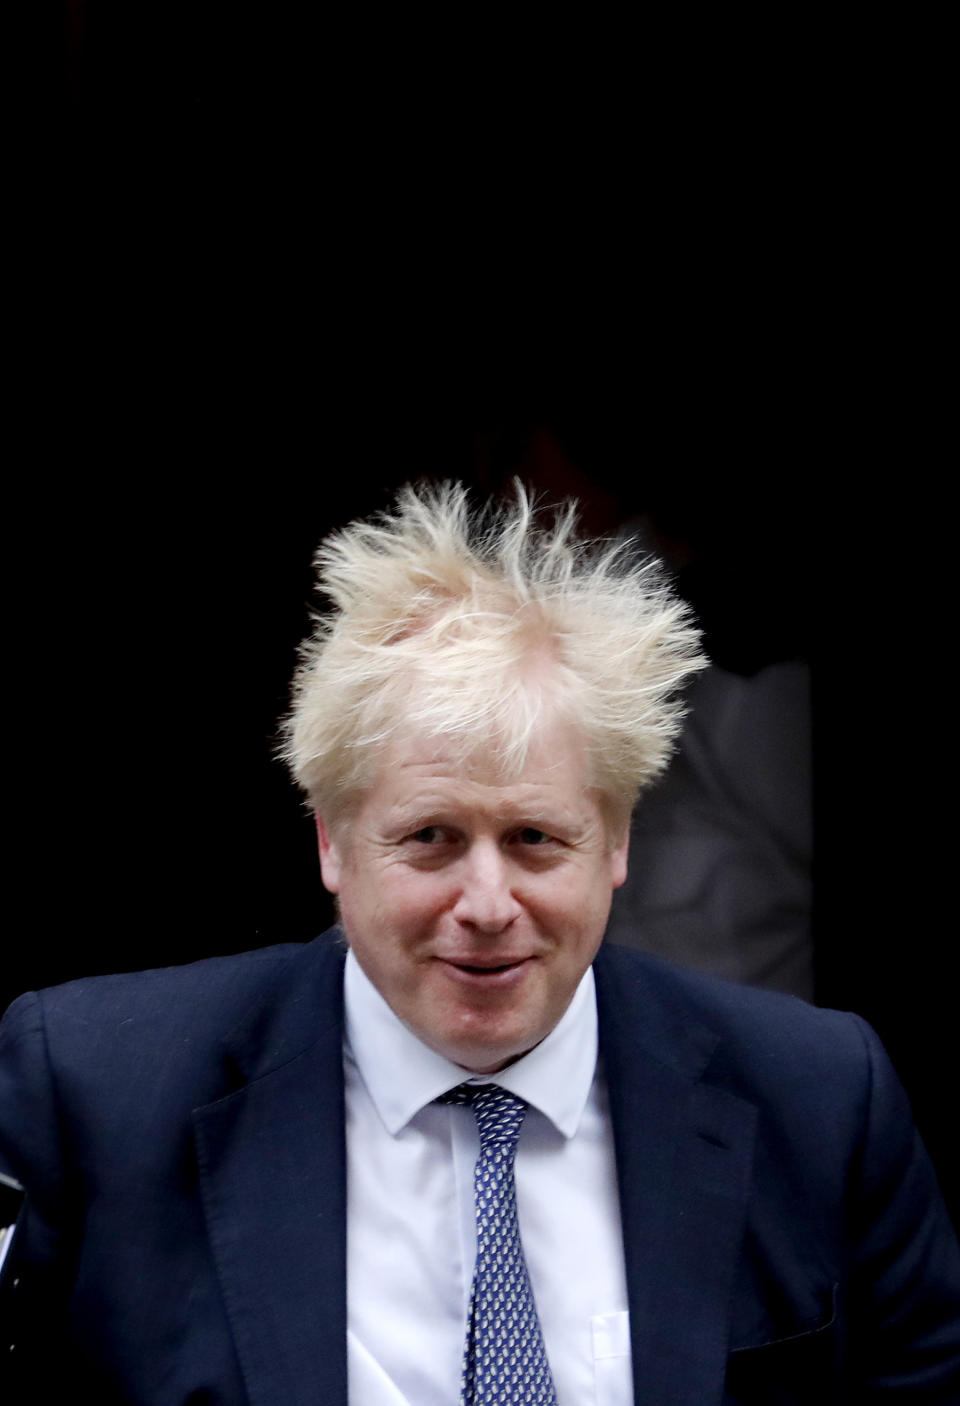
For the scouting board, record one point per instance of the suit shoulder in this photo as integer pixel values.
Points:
(764, 1029)
(818, 1078)
(221, 979)
(198, 1002)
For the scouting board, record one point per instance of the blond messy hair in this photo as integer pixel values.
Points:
(479, 628)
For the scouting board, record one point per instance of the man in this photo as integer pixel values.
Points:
(471, 1152)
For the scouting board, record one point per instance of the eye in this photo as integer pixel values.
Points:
(429, 835)
(529, 835)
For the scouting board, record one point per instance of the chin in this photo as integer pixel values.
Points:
(486, 1058)
(482, 1065)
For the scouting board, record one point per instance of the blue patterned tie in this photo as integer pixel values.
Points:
(504, 1359)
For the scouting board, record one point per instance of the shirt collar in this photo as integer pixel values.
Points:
(556, 1076)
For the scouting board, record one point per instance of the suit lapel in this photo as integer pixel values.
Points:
(684, 1164)
(273, 1177)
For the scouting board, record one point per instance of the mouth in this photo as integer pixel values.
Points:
(486, 972)
(487, 966)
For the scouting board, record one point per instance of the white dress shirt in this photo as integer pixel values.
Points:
(411, 1237)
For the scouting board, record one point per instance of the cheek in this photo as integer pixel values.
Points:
(580, 906)
(396, 902)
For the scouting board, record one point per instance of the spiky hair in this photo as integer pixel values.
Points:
(479, 628)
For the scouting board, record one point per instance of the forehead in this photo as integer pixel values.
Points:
(414, 766)
(554, 756)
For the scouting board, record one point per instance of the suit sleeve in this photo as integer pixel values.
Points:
(35, 1333)
(905, 1274)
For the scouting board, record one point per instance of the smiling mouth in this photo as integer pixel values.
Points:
(487, 969)
(486, 973)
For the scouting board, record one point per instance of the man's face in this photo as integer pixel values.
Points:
(475, 907)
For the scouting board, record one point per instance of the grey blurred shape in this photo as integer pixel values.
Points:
(721, 847)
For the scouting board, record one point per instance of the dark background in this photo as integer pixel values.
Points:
(271, 271)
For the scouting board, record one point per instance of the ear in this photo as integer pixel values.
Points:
(330, 858)
(618, 860)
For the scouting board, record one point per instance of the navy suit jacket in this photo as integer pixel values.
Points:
(180, 1133)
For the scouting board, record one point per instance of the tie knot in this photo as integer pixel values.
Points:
(498, 1112)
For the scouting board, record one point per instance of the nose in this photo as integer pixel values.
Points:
(485, 901)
